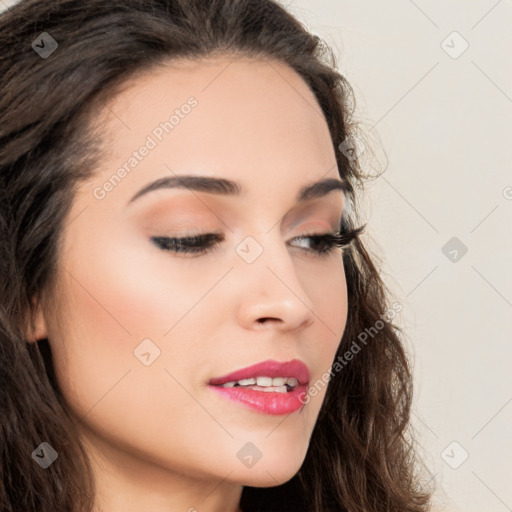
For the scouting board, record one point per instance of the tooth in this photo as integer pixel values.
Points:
(278, 389)
(247, 382)
(264, 381)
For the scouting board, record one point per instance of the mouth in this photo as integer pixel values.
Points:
(267, 374)
(271, 387)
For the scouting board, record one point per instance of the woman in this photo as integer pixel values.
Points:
(189, 319)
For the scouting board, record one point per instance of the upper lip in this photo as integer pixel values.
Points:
(269, 368)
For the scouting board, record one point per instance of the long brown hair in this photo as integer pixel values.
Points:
(361, 456)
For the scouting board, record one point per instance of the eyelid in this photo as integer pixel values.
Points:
(317, 226)
(321, 210)
(180, 210)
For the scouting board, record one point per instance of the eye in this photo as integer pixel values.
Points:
(197, 244)
(323, 244)
(328, 242)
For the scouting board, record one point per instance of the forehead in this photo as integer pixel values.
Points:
(254, 121)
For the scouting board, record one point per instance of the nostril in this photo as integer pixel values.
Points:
(265, 319)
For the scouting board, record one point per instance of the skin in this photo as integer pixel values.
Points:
(159, 439)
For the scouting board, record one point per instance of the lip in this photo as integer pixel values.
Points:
(267, 402)
(269, 368)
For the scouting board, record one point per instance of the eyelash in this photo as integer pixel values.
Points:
(201, 244)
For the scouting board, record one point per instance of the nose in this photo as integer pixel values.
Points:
(271, 293)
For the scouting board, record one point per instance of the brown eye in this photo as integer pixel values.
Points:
(327, 242)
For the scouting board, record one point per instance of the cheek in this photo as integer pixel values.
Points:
(110, 303)
(114, 298)
(328, 291)
(130, 290)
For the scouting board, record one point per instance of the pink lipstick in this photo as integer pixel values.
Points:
(270, 387)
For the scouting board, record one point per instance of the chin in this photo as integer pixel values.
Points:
(272, 473)
(266, 480)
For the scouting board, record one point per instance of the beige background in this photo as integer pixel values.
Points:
(439, 121)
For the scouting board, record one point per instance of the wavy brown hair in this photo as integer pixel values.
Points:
(361, 456)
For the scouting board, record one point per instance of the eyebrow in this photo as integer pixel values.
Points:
(225, 187)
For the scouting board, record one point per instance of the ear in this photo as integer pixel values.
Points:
(37, 329)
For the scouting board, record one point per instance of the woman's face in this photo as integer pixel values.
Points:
(137, 331)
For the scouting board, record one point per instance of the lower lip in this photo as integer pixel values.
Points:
(267, 402)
